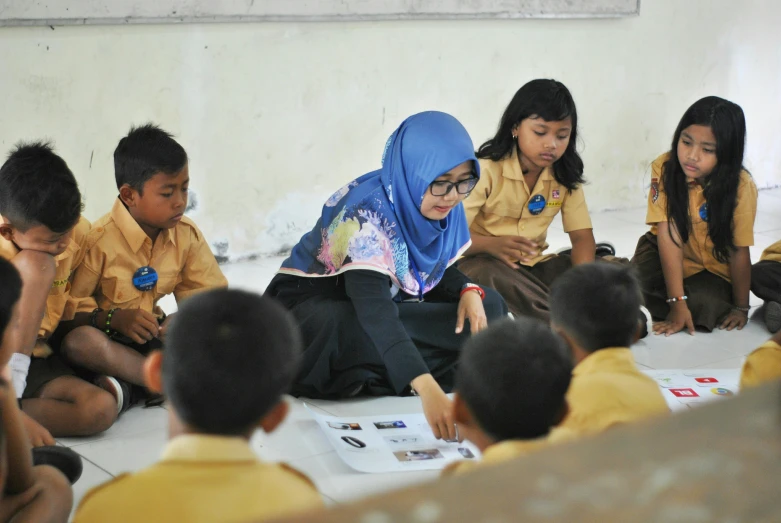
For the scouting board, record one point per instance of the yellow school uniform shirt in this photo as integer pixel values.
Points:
(201, 479)
(608, 389)
(508, 450)
(698, 251)
(59, 305)
(762, 365)
(117, 246)
(772, 253)
(499, 204)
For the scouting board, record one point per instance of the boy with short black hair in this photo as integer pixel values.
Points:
(27, 493)
(141, 251)
(229, 357)
(41, 233)
(511, 387)
(594, 308)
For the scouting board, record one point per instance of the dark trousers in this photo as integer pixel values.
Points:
(766, 280)
(709, 296)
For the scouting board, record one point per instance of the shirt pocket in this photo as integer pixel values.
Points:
(119, 292)
(166, 283)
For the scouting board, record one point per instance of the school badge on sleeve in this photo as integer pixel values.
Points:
(654, 189)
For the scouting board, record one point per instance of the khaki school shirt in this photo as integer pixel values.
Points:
(762, 365)
(698, 251)
(499, 204)
(117, 247)
(508, 450)
(772, 253)
(60, 306)
(608, 389)
(201, 479)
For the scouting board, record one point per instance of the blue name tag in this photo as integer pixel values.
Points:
(145, 279)
(704, 212)
(536, 204)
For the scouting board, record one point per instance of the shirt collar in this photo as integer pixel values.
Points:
(201, 447)
(512, 169)
(605, 359)
(132, 231)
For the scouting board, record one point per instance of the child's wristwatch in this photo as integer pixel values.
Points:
(472, 287)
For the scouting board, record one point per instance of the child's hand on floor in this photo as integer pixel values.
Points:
(680, 317)
(735, 319)
(37, 435)
(138, 325)
(510, 249)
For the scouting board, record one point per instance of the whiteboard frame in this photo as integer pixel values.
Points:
(123, 12)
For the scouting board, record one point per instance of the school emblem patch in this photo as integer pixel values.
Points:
(555, 194)
(654, 189)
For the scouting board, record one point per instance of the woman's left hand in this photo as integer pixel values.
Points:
(471, 306)
(734, 320)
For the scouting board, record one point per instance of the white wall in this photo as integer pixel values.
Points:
(276, 116)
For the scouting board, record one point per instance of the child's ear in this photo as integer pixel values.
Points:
(128, 195)
(7, 230)
(153, 372)
(275, 417)
(461, 414)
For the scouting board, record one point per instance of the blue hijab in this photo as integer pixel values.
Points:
(374, 222)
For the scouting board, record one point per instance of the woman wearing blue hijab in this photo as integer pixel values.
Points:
(381, 305)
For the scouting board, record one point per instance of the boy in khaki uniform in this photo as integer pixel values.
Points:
(42, 234)
(766, 284)
(142, 250)
(593, 307)
(229, 357)
(762, 365)
(512, 381)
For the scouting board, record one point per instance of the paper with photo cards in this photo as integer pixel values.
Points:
(688, 388)
(400, 442)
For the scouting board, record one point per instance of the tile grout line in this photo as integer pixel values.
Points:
(95, 464)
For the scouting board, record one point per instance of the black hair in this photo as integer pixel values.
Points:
(38, 188)
(11, 283)
(720, 188)
(146, 151)
(228, 358)
(514, 377)
(597, 304)
(551, 101)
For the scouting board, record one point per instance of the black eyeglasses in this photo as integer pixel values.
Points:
(443, 188)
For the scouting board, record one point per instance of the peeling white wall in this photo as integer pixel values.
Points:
(276, 116)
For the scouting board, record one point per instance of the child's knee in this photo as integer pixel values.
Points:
(97, 410)
(82, 340)
(36, 268)
(54, 487)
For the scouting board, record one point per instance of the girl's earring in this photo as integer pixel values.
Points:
(515, 136)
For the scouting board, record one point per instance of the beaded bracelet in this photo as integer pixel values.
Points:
(108, 321)
(93, 318)
(741, 309)
(679, 298)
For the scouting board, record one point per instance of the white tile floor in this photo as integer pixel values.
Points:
(138, 437)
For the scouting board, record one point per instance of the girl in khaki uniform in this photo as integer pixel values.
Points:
(694, 264)
(531, 172)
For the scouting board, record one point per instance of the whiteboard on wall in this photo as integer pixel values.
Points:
(61, 12)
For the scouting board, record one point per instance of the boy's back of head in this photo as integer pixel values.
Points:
(147, 150)
(229, 357)
(38, 188)
(597, 305)
(513, 377)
